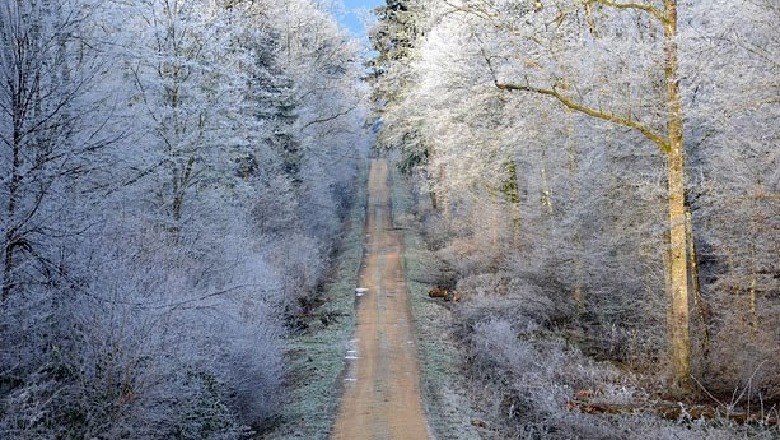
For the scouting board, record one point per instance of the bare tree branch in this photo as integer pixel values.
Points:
(649, 133)
(326, 119)
(657, 13)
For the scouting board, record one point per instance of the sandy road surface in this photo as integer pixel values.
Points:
(382, 391)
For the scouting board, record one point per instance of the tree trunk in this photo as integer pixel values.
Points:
(579, 257)
(698, 299)
(753, 284)
(681, 347)
(13, 187)
(672, 144)
(517, 211)
(444, 196)
(546, 196)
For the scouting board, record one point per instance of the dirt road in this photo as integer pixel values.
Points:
(382, 390)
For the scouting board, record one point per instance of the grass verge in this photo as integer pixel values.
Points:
(315, 358)
(451, 414)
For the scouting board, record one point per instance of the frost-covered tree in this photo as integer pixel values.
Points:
(732, 102)
(557, 85)
(50, 132)
(578, 184)
(189, 75)
(396, 36)
(176, 178)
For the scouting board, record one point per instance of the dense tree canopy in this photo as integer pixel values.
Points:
(173, 178)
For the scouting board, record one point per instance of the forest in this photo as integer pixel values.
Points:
(173, 177)
(597, 182)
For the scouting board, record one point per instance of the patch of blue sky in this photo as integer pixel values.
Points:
(355, 13)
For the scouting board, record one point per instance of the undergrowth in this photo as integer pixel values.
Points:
(493, 366)
(315, 356)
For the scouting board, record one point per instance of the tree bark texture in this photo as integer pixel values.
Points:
(681, 346)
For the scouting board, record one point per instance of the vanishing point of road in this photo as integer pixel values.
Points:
(382, 391)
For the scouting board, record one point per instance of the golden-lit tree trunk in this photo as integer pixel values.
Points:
(681, 345)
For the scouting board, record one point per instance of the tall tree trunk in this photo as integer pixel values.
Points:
(546, 196)
(681, 347)
(753, 284)
(515, 206)
(698, 299)
(444, 196)
(494, 210)
(18, 102)
(10, 227)
(579, 257)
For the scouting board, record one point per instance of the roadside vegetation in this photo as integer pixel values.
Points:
(317, 343)
(449, 409)
(506, 364)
